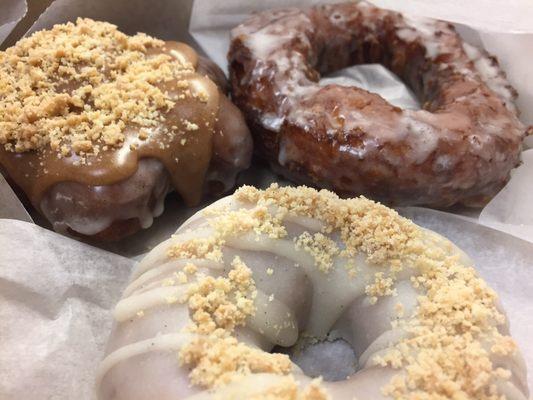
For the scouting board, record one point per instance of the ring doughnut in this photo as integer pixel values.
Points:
(459, 148)
(96, 127)
(260, 269)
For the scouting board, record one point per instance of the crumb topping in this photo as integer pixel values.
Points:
(321, 248)
(446, 353)
(365, 226)
(217, 306)
(218, 361)
(79, 86)
(222, 302)
(450, 338)
(208, 248)
(258, 220)
(382, 286)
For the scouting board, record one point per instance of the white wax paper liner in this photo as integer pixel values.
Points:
(56, 293)
(10, 205)
(11, 12)
(55, 298)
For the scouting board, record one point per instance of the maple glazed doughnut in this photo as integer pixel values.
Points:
(96, 127)
(459, 148)
(262, 269)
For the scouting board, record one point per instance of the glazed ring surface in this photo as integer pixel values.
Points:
(459, 148)
(206, 310)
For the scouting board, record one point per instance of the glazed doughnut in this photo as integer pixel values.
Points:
(96, 127)
(459, 148)
(260, 269)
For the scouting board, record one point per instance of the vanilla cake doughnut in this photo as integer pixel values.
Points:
(260, 269)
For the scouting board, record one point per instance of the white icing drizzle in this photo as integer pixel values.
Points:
(381, 344)
(325, 309)
(159, 254)
(166, 269)
(310, 224)
(274, 320)
(171, 341)
(491, 74)
(248, 386)
(337, 303)
(129, 307)
(265, 43)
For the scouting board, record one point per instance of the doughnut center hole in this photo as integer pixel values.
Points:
(334, 360)
(375, 78)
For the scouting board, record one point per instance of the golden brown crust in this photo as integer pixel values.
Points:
(458, 149)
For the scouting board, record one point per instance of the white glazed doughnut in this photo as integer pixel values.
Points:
(260, 269)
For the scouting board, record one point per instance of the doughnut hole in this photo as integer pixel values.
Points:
(294, 290)
(375, 78)
(359, 328)
(333, 360)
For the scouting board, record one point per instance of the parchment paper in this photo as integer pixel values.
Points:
(165, 19)
(512, 209)
(11, 207)
(512, 16)
(11, 12)
(56, 293)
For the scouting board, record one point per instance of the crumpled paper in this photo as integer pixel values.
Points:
(511, 210)
(11, 207)
(375, 78)
(164, 19)
(11, 13)
(55, 298)
(56, 293)
(511, 16)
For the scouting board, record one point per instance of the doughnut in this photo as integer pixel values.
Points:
(458, 149)
(96, 127)
(271, 269)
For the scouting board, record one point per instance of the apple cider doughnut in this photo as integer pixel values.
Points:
(96, 127)
(459, 148)
(206, 310)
